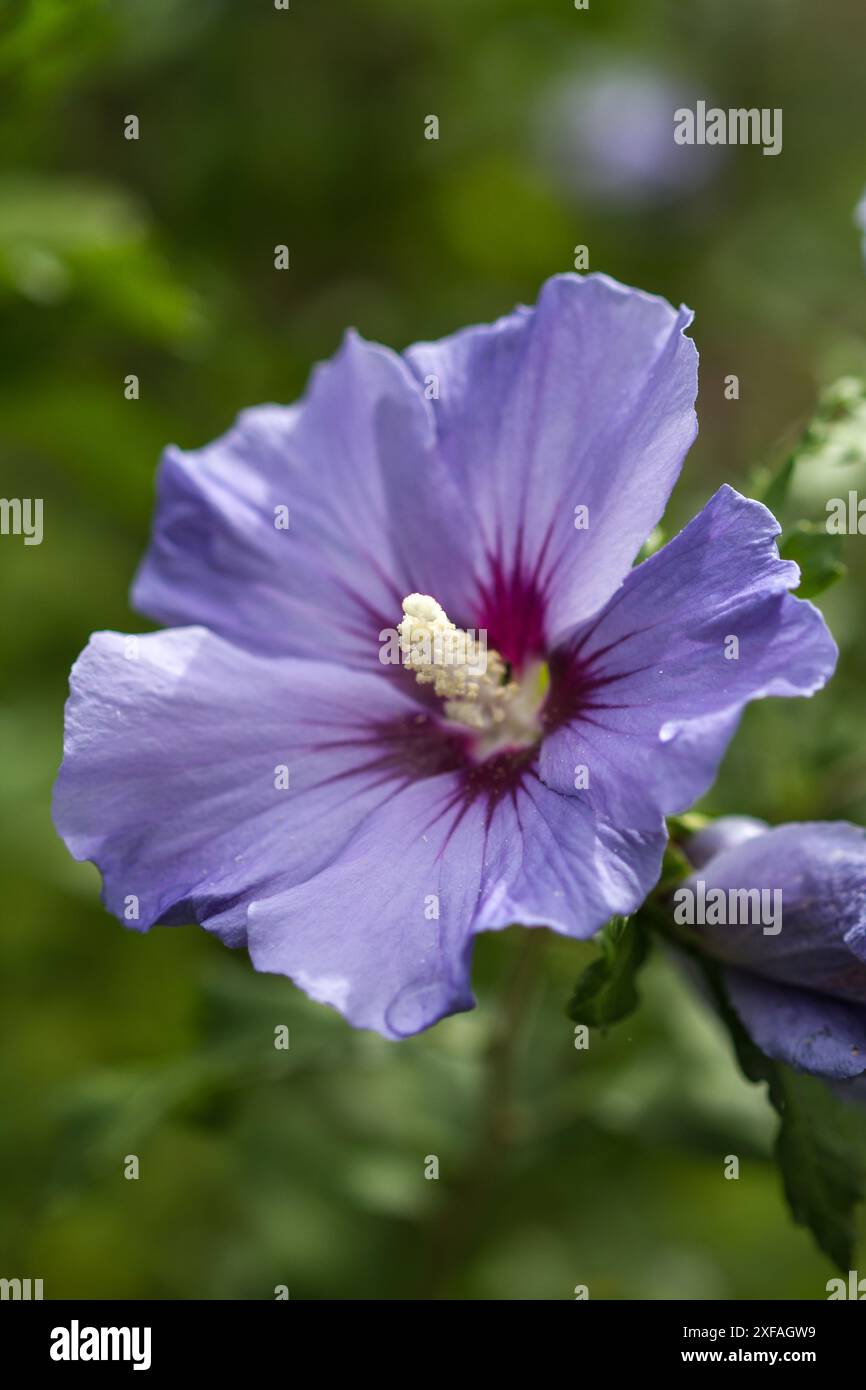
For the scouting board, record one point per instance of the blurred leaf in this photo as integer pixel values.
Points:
(838, 431)
(775, 495)
(66, 214)
(62, 236)
(113, 1112)
(818, 553)
(823, 1173)
(835, 435)
(43, 27)
(606, 991)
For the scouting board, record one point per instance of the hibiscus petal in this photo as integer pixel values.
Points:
(819, 868)
(361, 934)
(644, 695)
(372, 517)
(384, 934)
(170, 785)
(572, 873)
(586, 400)
(808, 1031)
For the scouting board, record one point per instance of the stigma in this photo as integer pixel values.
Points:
(474, 682)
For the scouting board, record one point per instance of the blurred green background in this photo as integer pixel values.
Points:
(306, 1168)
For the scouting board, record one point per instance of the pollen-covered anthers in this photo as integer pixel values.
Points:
(472, 679)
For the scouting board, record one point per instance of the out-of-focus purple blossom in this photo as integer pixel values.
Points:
(800, 992)
(607, 133)
(860, 221)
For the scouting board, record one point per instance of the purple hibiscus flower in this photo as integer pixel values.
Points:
(258, 769)
(798, 986)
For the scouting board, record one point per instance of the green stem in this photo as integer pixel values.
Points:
(456, 1229)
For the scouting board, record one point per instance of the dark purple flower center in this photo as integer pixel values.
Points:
(510, 607)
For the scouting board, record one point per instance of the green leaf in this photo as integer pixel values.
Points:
(823, 1175)
(777, 492)
(818, 553)
(79, 239)
(819, 1148)
(606, 991)
(836, 435)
